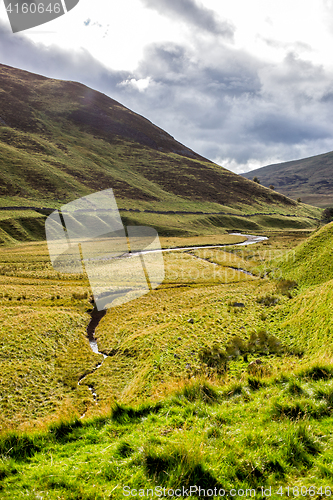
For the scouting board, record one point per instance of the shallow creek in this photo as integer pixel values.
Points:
(96, 316)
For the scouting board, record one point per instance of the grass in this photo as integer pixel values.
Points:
(307, 179)
(218, 377)
(178, 399)
(244, 442)
(153, 342)
(311, 262)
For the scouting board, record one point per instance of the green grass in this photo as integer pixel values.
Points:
(310, 263)
(27, 225)
(177, 402)
(199, 435)
(151, 342)
(217, 378)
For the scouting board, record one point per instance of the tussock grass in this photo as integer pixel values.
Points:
(300, 446)
(123, 414)
(199, 390)
(179, 442)
(298, 410)
(19, 446)
(317, 372)
(176, 468)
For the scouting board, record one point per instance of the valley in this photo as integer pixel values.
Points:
(221, 377)
(179, 398)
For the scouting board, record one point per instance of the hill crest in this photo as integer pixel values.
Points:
(61, 140)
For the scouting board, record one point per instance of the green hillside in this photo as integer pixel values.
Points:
(306, 321)
(61, 140)
(309, 179)
(221, 377)
(311, 263)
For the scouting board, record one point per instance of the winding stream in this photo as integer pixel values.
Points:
(96, 316)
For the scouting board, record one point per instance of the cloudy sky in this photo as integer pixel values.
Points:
(244, 83)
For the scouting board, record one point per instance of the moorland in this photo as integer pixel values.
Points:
(222, 377)
(61, 140)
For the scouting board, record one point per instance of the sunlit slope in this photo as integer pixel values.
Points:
(311, 263)
(307, 323)
(61, 140)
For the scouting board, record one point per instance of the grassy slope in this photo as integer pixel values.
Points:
(46, 312)
(311, 263)
(306, 321)
(63, 140)
(21, 225)
(273, 432)
(42, 337)
(150, 341)
(309, 179)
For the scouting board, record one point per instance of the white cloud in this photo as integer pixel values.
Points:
(141, 84)
(193, 14)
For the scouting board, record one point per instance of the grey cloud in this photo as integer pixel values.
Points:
(193, 14)
(235, 107)
(221, 102)
(284, 129)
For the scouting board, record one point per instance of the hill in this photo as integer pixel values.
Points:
(306, 321)
(309, 179)
(61, 140)
(311, 262)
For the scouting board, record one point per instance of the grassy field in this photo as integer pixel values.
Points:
(181, 399)
(273, 433)
(28, 225)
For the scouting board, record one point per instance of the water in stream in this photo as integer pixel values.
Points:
(96, 315)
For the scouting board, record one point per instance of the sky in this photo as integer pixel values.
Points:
(243, 83)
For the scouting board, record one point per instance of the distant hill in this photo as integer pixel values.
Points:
(61, 140)
(310, 179)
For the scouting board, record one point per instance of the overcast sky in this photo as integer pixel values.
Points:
(244, 83)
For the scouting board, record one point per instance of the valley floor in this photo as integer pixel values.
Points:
(181, 398)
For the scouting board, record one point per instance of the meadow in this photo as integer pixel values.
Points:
(181, 398)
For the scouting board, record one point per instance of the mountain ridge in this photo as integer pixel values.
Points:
(61, 140)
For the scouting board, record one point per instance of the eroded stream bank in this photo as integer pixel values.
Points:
(95, 318)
